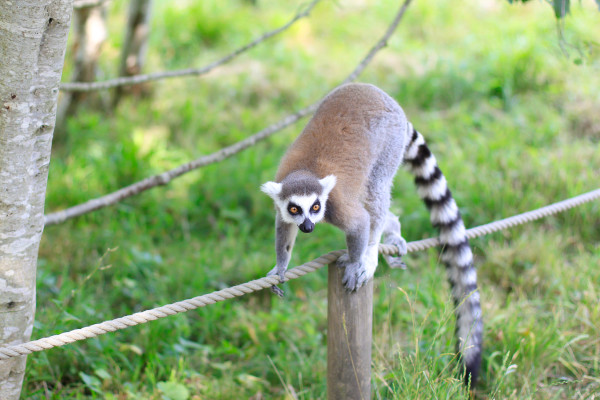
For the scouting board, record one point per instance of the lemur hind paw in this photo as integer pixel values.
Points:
(396, 261)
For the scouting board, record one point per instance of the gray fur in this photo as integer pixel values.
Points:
(285, 236)
(300, 182)
(392, 236)
(360, 136)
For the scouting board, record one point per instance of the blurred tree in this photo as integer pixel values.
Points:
(33, 38)
(89, 30)
(561, 7)
(583, 48)
(134, 49)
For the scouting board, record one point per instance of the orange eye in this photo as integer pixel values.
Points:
(316, 207)
(294, 210)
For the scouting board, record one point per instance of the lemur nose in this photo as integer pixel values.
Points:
(307, 226)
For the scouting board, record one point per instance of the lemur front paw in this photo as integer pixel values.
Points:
(396, 261)
(355, 274)
(279, 272)
(275, 289)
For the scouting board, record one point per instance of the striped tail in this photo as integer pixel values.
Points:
(456, 252)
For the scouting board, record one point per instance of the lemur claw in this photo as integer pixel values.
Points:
(281, 274)
(395, 262)
(354, 281)
(275, 289)
(355, 274)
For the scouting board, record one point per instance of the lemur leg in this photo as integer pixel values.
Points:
(378, 205)
(285, 237)
(392, 236)
(378, 222)
(358, 271)
(376, 212)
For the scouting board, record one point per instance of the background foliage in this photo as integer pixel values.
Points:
(510, 110)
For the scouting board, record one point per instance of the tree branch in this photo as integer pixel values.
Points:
(137, 79)
(168, 176)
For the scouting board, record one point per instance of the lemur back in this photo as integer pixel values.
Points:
(341, 169)
(359, 148)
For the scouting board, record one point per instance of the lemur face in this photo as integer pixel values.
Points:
(304, 210)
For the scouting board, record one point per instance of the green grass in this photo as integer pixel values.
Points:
(512, 119)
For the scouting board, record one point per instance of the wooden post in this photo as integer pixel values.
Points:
(349, 334)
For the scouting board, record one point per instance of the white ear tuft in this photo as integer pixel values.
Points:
(271, 188)
(328, 183)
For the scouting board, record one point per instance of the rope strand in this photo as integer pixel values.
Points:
(266, 282)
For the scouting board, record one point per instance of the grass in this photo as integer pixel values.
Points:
(512, 119)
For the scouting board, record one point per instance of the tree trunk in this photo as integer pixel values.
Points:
(133, 54)
(33, 38)
(89, 28)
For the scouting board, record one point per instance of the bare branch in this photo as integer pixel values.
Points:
(168, 176)
(137, 79)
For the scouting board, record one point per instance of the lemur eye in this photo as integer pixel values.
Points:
(316, 207)
(293, 210)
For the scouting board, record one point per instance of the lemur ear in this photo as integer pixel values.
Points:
(328, 183)
(271, 188)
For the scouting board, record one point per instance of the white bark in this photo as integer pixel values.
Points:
(33, 37)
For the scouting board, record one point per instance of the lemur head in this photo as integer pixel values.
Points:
(301, 198)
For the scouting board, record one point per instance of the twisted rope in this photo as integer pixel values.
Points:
(263, 283)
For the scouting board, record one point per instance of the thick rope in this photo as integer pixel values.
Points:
(263, 283)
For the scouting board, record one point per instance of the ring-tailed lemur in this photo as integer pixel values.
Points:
(341, 169)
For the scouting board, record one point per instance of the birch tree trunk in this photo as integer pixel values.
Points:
(33, 38)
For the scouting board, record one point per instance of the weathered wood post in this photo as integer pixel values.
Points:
(349, 334)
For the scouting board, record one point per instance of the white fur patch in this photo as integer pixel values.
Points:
(426, 169)
(467, 335)
(284, 213)
(461, 258)
(435, 190)
(272, 189)
(463, 278)
(305, 203)
(469, 327)
(371, 259)
(455, 235)
(411, 152)
(444, 214)
(328, 183)
(469, 278)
